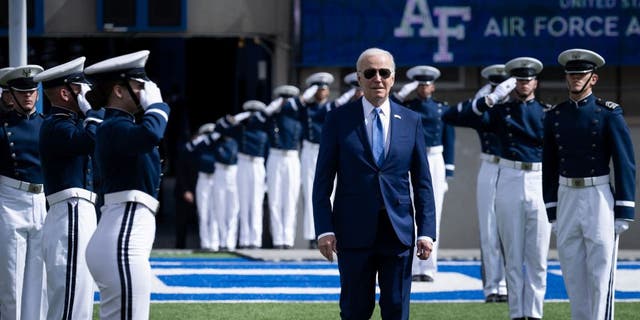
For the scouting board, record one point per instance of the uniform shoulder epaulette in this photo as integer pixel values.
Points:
(605, 103)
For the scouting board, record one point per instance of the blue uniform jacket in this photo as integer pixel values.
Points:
(461, 116)
(127, 153)
(19, 153)
(312, 116)
(225, 148)
(201, 149)
(518, 125)
(66, 148)
(436, 132)
(251, 135)
(580, 140)
(284, 127)
(363, 188)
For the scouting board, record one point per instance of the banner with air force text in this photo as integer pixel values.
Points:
(471, 32)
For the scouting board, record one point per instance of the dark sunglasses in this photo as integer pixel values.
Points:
(370, 73)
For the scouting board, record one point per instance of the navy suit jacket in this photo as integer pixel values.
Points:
(363, 187)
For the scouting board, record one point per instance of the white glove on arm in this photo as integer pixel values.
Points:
(345, 97)
(273, 107)
(484, 91)
(241, 116)
(150, 94)
(307, 95)
(406, 90)
(83, 104)
(501, 91)
(621, 226)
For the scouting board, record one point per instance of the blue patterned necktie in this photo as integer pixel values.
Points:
(377, 137)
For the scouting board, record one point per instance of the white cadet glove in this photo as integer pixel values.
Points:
(501, 91)
(307, 95)
(273, 107)
(150, 94)
(406, 90)
(241, 116)
(83, 104)
(621, 226)
(345, 97)
(485, 90)
(554, 227)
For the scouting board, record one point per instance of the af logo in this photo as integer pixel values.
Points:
(417, 12)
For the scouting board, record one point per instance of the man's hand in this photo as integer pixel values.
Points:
(83, 104)
(150, 94)
(621, 226)
(424, 248)
(327, 246)
(501, 91)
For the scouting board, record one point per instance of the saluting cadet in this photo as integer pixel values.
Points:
(312, 114)
(22, 201)
(202, 149)
(6, 101)
(251, 135)
(127, 153)
(225, 192)
(439, 139)
(66, 146)
(582, 135)
(520, 213)
(493, 278)
(283, 163)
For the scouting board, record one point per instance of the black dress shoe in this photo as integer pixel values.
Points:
(426, 278)
(492, 298)
(416, 278)
(313, 244)
(532, 318)
(279, 247)
(503, 298)
(287, 247)
(521, 318)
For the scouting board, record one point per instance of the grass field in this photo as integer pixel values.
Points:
(318, 311)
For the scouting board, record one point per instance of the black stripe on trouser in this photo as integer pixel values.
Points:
(123, 262)
(72, 260)
(610, 293)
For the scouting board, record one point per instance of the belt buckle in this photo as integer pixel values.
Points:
(526, 166)
(34, 188)
(579, 182)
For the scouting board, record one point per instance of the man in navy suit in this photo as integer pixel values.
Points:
(374, 146)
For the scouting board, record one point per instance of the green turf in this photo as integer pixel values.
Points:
(321, 311)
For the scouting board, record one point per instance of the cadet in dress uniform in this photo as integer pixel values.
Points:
(6, 101)
(312, 114)
(283, 163)
(22, 201)
(226, 206)
(66, 146)
(251, 135)
(582, 136)
(127, 152)
(520, 212)
(493, 278)
(439, 139)
(202, 149)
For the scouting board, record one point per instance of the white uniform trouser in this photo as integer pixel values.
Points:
(251, 188)
(490, 247)
(226, 206)
(308, 159)
(585, 241)
(525, 232)
(207, 221)
(67, 229)
(22, 276)
(118, 258)
(439, 181)
(283, 182)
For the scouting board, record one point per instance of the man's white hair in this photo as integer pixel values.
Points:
(375, 52)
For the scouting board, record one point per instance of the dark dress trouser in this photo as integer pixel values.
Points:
(391, 261)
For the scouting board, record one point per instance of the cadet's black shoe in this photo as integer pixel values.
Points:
(503, 298)
(531, 318)
(287, 247)
(492, 298)
(313, 244)
(279, 247)
(416, 278)
(426, 278)
(521, 318)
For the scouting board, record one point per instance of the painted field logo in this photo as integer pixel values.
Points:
(417, 12)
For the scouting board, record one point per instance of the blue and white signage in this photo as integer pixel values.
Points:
(471, 32)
